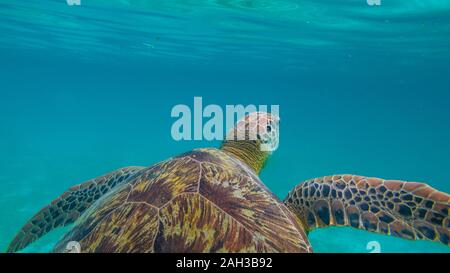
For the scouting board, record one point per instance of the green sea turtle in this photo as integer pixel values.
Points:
(211, 200)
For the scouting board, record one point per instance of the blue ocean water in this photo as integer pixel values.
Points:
(88, 89)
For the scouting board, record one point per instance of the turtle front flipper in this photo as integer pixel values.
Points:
(408, 210)
(69, 206)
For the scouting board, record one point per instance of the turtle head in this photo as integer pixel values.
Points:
(259, 127)
(254, 138)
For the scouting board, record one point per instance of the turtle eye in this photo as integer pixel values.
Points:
(269, 128)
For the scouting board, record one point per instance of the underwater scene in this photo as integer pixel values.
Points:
(361, 87)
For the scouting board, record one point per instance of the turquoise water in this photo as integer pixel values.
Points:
(88, 89)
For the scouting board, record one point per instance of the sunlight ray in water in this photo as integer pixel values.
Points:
(124, 26)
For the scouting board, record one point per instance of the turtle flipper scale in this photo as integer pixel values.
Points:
(408, 210)
(69, 206)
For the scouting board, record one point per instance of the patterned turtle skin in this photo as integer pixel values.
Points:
(211, 200)
(201, 201)
(408, 210)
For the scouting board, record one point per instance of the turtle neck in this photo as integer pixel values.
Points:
(246, 151)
